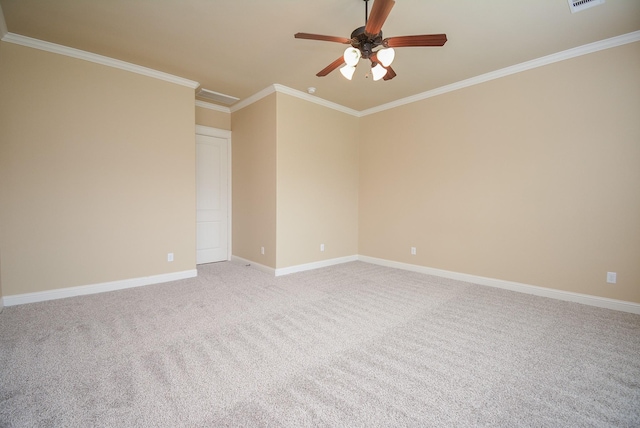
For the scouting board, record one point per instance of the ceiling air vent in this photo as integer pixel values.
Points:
(217, 97)
(580, 5)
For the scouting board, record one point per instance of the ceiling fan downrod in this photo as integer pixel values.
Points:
(366, 11)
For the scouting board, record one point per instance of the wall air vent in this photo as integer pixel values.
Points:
(217, 97)
(580, 5)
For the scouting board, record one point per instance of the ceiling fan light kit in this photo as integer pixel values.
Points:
(351, 56)
(386, 56)
(347, 71)
(365, 40)
(378, 72)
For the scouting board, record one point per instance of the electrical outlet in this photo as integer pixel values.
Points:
(413, 251)
(321, 247)
(262, 250)
(169, 257)
(611, 277)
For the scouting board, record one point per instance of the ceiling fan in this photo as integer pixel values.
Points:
(365, 39)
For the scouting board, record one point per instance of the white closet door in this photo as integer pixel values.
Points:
(211, 199)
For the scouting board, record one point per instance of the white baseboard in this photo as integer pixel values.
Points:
(585, 299)
(61, 293)
(315, 265)
(258, 266)
(293, 269)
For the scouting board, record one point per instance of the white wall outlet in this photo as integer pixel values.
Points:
(169, 257)
(321, 247)
(262, 250)
(611, 277)
(413, 251)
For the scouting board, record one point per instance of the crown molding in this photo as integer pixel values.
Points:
(95, 58)
(518, 68)
(253, 98)
(313, 99)
(210, 106)
(295, 93)
(3, 25)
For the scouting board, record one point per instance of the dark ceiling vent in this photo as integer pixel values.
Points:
(217, 97)
(580, 5)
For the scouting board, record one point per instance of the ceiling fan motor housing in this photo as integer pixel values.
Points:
(364, 42)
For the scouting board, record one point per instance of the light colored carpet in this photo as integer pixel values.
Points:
(350, 345)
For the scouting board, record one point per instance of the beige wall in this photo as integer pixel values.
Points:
(254, 181)
(213, 118)
(317, 185)
(97, 173)
(532, 178)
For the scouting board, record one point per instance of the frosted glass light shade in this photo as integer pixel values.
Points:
(347, 71)
(378, 72)
(351, 56)
(386, 56)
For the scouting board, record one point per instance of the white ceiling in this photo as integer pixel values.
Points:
(239, 47)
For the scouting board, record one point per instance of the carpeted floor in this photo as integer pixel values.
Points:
(350, 345)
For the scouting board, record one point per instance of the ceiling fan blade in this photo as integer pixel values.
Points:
(329, 68)
(323, 38)
(423, 40)
(390, 74)
(379, 13)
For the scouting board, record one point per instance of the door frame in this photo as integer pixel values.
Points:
(221, 133)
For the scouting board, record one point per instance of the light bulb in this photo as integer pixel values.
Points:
(378, 72)
(347, 71)
(386, 56)
(351, 56)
